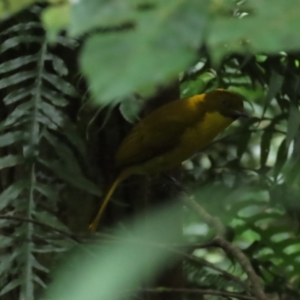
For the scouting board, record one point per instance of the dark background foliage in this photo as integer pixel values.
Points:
(75, 76)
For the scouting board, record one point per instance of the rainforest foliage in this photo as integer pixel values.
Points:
(74, 77)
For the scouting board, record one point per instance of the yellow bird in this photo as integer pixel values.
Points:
(171, 134)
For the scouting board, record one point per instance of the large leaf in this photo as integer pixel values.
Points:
(269, 26)
(9, 7)
(111, 271)
(99, 13)
(119, 64)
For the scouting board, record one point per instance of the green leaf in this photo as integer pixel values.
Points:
(109, 271)
(265, 145)
(47, 191)
(16, 78)
(60, 84)
(21, 27)
(88, 15)
(10, 7)
(275, 85)
(17, 95)
(267, 28)
(281, 157)
(293, 123)
(7, 260)
(11, 138)
(10, 161)
(53, 113)
(64, 153)
(75, 180)
(56, 18)
(10, 286)
(243, 143)
(196, 86)
(131, 107)
(54, 97)
(50, 219)
(18, 40)
(55, 118)
(12, 192)
(19, 113)
(137, 61)
(16, 63)
(38, 266)
(58, 64)
(39, 281)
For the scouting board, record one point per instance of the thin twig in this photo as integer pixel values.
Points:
(70, 235)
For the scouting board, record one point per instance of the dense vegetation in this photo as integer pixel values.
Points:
(74, 77)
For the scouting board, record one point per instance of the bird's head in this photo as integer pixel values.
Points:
(228, 104)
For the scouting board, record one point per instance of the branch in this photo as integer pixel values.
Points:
(243, 260)
(70, 235)
(213, 221)
(197, 292)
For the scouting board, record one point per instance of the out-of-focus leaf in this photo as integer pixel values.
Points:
(39, 281)
(64, 153)
(130, 108)
(10, 286)
(58, 119)
(10, 161)
(88, 15)
(256, 31)
(6, 260)
(265, 145)
(196, 86)
(243, 143)
(293, 123)
(18, 40)
(76, 180)
(275, 85)
(137, 61)
(110, 271)
(281, 157)
(9, 7)
(56, 18)
(12, 192)
(58, 64)
(50, 219)
(11, 138)
(48, 191)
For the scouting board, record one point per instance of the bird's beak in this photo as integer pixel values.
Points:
(240, 114)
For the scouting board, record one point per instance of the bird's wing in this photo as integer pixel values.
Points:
(148, 140)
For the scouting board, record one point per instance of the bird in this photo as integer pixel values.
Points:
(171, 134)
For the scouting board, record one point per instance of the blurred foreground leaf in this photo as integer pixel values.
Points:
(8, 7)
(111, 272)
(255, 31)
(118, 64)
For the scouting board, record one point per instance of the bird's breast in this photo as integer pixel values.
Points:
(203, 132)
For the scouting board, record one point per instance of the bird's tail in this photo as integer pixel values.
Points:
(121, 177)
